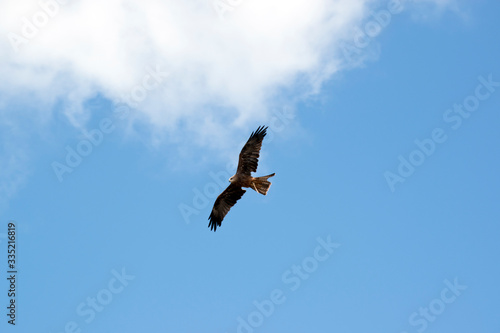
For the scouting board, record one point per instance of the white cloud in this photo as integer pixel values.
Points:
(236, 64)
(222, 72)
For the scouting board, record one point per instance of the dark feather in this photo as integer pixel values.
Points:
(249, 156)
(223, 204)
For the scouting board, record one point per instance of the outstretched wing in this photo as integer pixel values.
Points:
(223, 204)
(249, 156)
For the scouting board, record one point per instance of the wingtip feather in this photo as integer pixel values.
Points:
(260, 131)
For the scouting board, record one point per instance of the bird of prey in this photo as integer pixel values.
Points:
(247, 163)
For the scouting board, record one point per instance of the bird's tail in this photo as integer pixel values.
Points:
(261, 184)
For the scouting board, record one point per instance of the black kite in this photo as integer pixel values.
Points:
(248, 161)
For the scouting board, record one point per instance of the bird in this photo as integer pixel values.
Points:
(247, 163)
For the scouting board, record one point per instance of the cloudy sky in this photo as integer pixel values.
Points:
(121, 122)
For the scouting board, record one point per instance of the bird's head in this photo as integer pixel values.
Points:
(231, 179)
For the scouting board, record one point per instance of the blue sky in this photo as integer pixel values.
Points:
(383, 214)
